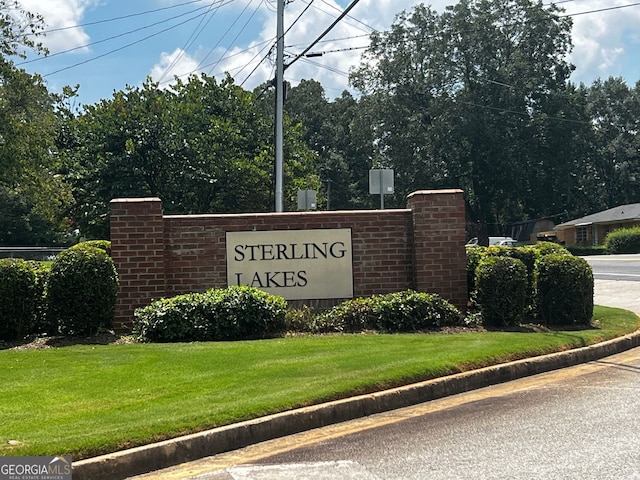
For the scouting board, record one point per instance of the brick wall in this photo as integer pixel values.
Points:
(420, 247)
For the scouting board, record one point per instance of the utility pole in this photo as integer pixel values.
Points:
(279, 103)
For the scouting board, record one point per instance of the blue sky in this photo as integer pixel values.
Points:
(105, 45)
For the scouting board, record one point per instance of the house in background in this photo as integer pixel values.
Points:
(527, 231)
(593, 229)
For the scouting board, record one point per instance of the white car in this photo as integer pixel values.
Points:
(501, 241)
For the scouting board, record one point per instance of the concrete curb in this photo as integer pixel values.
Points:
(136, 461)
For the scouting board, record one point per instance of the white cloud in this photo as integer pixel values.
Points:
(603, 41)
(178, 63)
(62, 14)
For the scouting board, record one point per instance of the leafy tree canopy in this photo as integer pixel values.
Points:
(202, 146)
(455, 99)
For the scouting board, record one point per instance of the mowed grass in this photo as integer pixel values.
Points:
(87, 400)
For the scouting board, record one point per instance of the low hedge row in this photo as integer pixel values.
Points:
(542, 283)
(623, 240)
(237, 313)
(73, 295)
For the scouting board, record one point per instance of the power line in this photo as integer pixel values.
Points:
(97, 42)
(257, 64)
(340, 17)
(238, 34)
(617, 7)
(524, 114)
(123, 47)
(122, 17)
(352, 37)
(335, 50)
(192, 38)
(371, 29)
(271, 50)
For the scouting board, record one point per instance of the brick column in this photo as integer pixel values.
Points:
(438, 240)
(137, 248)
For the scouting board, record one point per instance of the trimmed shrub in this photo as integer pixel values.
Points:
(547, 248)
(17, 298)
(233, 313)
(624, 240)
(183, 318)
(410, 311)
(246, 312)
(42, 322)
(81, 291)
(501, 290)
(104, 245)
(474, 256)
(300, 319)
(528, 255)
(350, 316)
(565, 290)
(582, 251)
(406, 311)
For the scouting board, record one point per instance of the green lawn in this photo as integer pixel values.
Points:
(87, 400)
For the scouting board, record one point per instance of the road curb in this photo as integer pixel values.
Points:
(139, 460)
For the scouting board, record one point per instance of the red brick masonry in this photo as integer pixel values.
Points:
(420, 247)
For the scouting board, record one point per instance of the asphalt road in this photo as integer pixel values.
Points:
(576, 423)
(615, 267)
(617, 280)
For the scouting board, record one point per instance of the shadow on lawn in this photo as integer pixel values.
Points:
(42, 342)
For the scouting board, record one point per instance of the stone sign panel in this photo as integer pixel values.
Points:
(295, 264)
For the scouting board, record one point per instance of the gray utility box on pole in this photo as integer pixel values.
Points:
(381, 183)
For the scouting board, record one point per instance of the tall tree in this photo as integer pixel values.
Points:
(202, 146)
(458, 97)
(327, 128)
(34, 194)
(614, 109)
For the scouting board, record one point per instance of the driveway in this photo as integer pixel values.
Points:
(618, 293)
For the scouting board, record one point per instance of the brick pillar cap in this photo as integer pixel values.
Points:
(135, 200)
(448, 191)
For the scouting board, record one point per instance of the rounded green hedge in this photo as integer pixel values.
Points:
(42, 322)
(564, 290)
(17, 298)
(624, 240)
(406, 311)
(232, 313)
(81, 291)
(501, 290)
(474, 255)
(104, 245)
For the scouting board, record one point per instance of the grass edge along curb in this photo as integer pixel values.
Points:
(139, 460)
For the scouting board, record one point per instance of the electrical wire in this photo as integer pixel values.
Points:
(222, 2)
(617, 7)
(340, 17)
(122, 17)
(120, 35)
(122, 47)
(371, 29)
(238, 34)
(271, 50)
(192, 38)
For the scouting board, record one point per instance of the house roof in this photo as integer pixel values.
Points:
(613, 215)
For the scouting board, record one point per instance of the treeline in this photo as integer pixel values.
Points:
(477, 97)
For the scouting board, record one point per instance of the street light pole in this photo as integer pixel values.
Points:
(279, 104)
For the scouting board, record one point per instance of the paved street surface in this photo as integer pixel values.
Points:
(576, 423)
(618, 293)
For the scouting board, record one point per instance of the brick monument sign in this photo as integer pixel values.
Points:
(313, 258)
